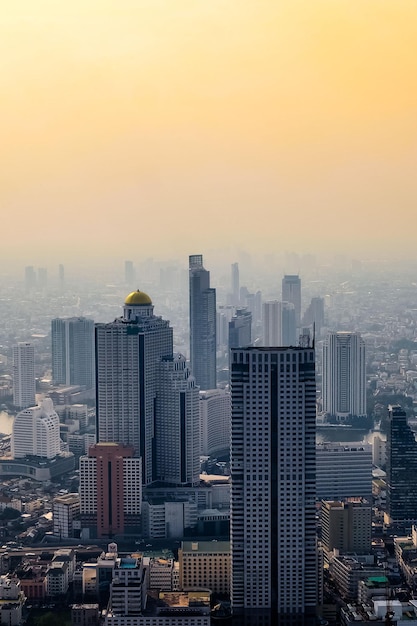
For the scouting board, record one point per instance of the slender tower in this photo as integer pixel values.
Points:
(24, 386)
(291, 292)
(274, 567)
(202, 324)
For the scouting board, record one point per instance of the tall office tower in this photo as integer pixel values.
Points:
(36, 432)
(314, 315)
(240, 329)
(235, 284)
(344, 376)
(128, 355)
(273, 542)
(24, 385)
(401, 469)
(215, 414)
(271, 323)
(202, 324)
(177, 424)
(110, 489)
(291, 292)
(73, 351)
(288, 325)
(130, 274)
(30, 278)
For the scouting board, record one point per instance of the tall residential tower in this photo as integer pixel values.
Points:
(24, 386)
(274, 568)
(73, 351)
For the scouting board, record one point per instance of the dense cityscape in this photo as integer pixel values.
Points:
(211, 446)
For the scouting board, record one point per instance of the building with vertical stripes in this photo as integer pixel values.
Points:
(273, 537)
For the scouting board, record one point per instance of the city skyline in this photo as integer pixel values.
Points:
(290, 125)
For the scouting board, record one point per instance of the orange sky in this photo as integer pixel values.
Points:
(175, 126)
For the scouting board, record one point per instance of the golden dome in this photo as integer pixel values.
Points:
(138, 298)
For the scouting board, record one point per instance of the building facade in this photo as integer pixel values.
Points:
(215, 415)
(73, 351)
(24, 385)
(344, 375)
(36, 432)
(291, 292)
(202, 324)
(343, 471)
(401, 469)
(111, 488)
(273, 542)
(128, 355)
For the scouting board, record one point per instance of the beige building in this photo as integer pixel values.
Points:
(346, 526)
(205, 564)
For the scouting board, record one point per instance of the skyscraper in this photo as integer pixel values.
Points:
(73, 351)
(401, 469)
(24, 385)
(110, 488)
(36, 432)
(344, 376)
(291, 292)
(274, 568)
(288, 324)
(235, 284)
(240, 329)
(202, 324)
(177, 423)
(279, 324)
(128, 355)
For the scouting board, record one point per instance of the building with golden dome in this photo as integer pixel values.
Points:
(145, 396)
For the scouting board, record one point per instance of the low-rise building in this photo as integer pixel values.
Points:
(205, 564)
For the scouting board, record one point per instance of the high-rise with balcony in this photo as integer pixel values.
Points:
(202, 324)
(73, 351)
(24, 386)
(274, 564)
(344, 376)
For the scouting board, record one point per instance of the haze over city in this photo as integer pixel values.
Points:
(260, 125)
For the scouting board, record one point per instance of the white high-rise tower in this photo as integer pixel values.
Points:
(273, 542)
(24, 386)
(146, 395)
(344, 376)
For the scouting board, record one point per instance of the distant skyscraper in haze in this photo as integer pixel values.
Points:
(271, 322)
(291, 292)
(401, 469)
(73, 351)
(288, 325)
(314, 315)
(344, 376)
(152, 403)
(273, 537)
(42, 278)
(202, 324)
(240, 329)
(130, 274)
(235, 284)
(30, 278)
(61, 275)
(24, 384)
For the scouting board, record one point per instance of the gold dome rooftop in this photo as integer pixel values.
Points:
(138, 298)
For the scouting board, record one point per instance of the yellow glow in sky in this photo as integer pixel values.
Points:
(187, 124)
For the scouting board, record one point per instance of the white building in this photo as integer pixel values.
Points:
(167, 519)
(344, 376)
(73, 351)
(177, 423)
(343, 471)
(12, 600)
(279, 324)
(24, 387)
(128, 588)
(65, 509)
(274, 562)
(57, 578)
(128, 355)
(36, 432)
(215, 415)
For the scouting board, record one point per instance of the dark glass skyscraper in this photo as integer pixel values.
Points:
(401, 468)
(202, 324)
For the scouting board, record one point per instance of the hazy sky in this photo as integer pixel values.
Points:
(138, 127)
